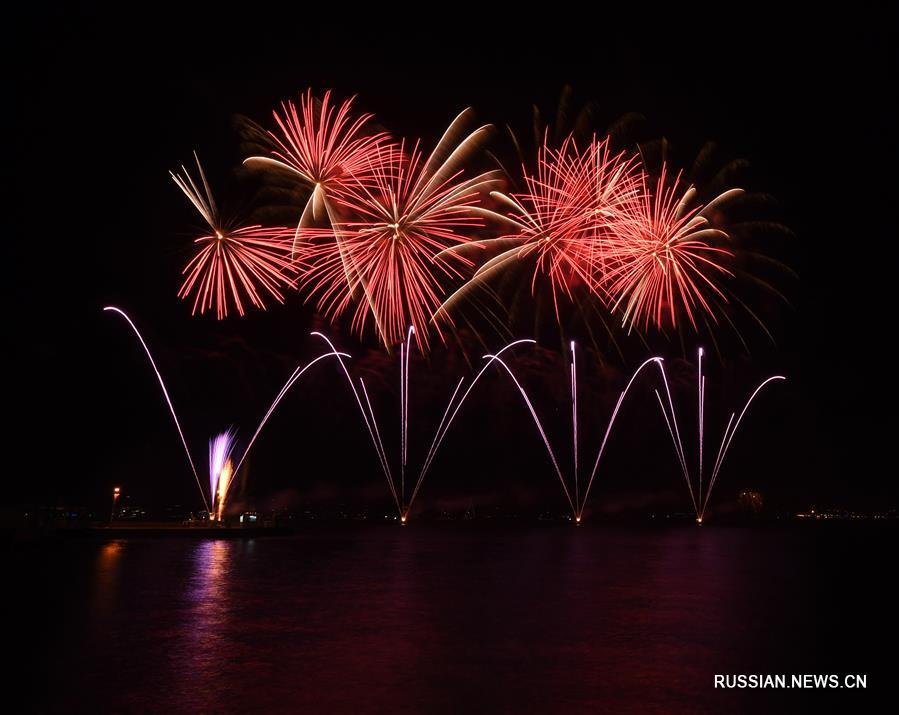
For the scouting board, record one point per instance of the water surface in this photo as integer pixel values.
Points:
(456, 618)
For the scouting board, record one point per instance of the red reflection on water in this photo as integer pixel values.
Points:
(106, 577)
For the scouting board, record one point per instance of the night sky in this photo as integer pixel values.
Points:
(104, 106)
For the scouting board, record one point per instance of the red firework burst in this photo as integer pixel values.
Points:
(664, 260)
(232, 265)
(325, 146)
(605, 184)
(390, 251)
(564, 217)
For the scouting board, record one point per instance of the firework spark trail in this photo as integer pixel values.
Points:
(368, 424)
(549, 448)
(406, 393)
(675, 435)
(445, 424)
(678, 450)
(676, 431)
(449, 405)
(223, 446)
(700, 504)
(658, 361)
(382, 454)
(574, 416)
(405, 351)
(371, 423)
(402, 424)
(295, 375)
(404, 385)
(722, 452)
(727, 427)
(165, 394)
(579, 503)
(700, 389)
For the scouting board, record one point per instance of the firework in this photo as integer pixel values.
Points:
(220, 470)
(397, 484)
(391, 245)
(563, 219)
(699, 499)
(664, 260)
(609, 184)
(222, 467)
(326, 147)
(291, 381)
(578, 501)
(165, 394)
(232, 265)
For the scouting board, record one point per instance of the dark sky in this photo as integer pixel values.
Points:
(106, 102)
